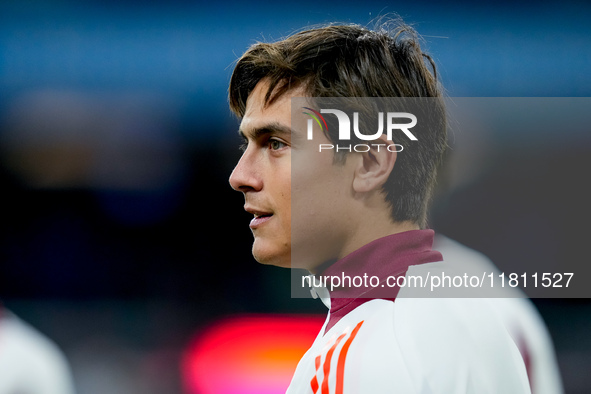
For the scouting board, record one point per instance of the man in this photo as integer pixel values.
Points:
(360, 211)
(518, 314)
(29, 361)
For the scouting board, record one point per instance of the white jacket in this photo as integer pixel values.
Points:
(379, 344)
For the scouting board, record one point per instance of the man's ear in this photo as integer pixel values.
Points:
(374, 166)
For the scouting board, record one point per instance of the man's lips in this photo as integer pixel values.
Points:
(260, 216)
(259, 220)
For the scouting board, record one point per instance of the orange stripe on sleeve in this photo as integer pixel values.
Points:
(314, 383)
(326, 366)
(343, 356)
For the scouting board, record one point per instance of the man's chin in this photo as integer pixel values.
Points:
(271, 256)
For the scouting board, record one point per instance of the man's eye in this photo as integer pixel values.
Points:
(276, 144)
(243, 146)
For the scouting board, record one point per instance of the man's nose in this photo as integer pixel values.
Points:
(246, 176)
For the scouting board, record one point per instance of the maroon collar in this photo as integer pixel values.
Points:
(375, 262)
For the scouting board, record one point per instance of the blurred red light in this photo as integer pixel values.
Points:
(251, 354)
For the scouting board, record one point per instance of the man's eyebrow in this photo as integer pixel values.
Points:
(270, 128)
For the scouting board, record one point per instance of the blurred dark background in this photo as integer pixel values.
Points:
(120, 236)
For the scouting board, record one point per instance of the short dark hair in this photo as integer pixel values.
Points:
(352, 61)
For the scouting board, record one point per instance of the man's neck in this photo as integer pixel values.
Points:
(365, 235)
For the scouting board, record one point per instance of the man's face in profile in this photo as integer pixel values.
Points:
(264, 176)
